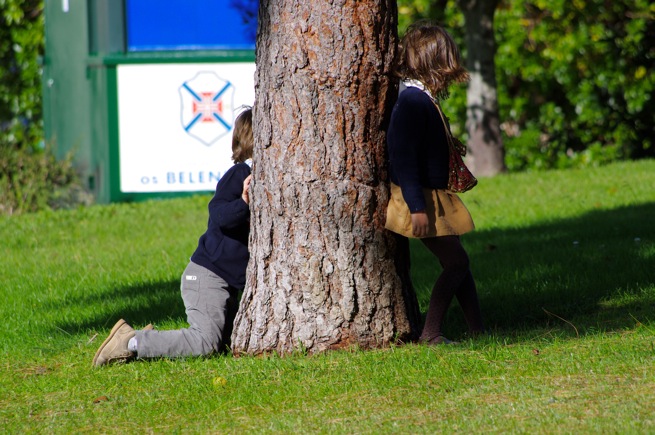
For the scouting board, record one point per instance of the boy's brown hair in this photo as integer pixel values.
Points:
(429, 54)
(242, 139)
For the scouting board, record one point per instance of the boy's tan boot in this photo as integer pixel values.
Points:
(114, 348)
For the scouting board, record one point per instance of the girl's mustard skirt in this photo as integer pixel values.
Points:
(447, 214)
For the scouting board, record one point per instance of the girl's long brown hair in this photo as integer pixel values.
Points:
(427, 53)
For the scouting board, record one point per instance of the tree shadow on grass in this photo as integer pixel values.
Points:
(579, 275)
(139, 304)
(593, 272)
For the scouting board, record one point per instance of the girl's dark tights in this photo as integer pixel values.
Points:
(455, 280)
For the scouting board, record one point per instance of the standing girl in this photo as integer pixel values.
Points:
(428, 63)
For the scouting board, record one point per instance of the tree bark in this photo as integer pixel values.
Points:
(487, 154)
(321, 274)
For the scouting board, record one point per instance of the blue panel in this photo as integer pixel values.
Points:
(190, 24)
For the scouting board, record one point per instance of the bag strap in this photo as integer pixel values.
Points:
(443, 117)
(461, 150)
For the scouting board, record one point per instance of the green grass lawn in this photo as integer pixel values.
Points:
(565, 267)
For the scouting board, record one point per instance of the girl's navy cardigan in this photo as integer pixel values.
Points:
(417, 146)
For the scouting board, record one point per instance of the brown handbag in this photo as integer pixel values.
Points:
(460, 178)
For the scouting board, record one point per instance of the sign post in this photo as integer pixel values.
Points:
(147, 103)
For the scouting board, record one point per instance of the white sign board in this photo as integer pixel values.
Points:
(175, 123)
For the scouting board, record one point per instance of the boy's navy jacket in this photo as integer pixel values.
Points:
(418, 147)
(223, 248)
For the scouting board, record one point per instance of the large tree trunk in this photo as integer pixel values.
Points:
(487, 154)
(322, 273)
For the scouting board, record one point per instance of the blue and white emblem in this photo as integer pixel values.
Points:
(207, 107)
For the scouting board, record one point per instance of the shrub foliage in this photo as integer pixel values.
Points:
(21, 44)
(575, 78)
(575, 85)
(30, 177)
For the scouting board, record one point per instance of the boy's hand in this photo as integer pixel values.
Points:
(245, 195)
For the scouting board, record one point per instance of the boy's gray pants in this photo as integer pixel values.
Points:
(211, 306)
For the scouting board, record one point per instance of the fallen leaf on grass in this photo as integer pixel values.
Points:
(219, 382)
(100, 399)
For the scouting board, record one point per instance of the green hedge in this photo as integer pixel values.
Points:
(21, 44)
(575, 78)
(30, 177)
(575, 86)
